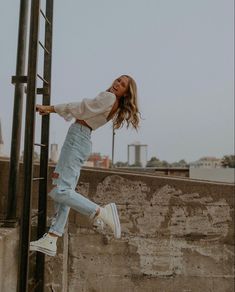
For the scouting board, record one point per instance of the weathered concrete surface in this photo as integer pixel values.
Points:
(56, 269)
(177, 235)
(8, 259)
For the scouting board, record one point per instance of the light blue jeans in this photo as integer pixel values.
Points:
(76, 149)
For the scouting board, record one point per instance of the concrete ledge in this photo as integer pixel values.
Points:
(225, 175)
(177, 235)
(9, 241)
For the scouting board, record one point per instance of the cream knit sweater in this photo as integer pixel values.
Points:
(93, 111)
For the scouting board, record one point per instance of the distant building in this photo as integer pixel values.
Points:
(207, 162)
(137, 154)
(1, 142)
(210, 169)
(54, 152)
(88, 163)
(97, 160)
(105, 162)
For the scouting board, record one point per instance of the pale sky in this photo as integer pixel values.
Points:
(180, 52)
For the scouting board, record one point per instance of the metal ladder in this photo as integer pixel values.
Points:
(32, 91)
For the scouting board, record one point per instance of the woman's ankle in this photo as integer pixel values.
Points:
(53, 234)
(97, 213)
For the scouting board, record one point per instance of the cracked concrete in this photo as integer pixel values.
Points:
(177, 236)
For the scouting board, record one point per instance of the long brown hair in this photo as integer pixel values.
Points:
(128, 111)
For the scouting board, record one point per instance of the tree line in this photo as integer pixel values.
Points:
(228, 161)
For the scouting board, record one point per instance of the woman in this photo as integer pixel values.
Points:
(118, 103)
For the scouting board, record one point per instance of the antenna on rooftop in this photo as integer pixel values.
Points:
(1, 139)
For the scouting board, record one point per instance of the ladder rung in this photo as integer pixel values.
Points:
(41, 145)
(41, 90)
(45, 16)
(44, 80)
(44, 48)
(38, 178)
(19, 79)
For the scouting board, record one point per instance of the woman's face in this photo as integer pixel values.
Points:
(120, 86)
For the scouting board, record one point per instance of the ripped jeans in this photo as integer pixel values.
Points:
(76, 149)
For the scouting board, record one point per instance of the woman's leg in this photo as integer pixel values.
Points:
(74, 200)
(76, 149)
(64, 199)
(68, 197)
(59, 220)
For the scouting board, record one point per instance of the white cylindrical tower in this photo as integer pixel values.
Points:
(137, 154)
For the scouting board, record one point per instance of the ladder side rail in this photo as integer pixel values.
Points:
(17, 114)
(29, 147)
(42, 199)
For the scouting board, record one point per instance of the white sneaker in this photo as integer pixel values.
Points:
(46, 244)
(109, 216)
(98, 225)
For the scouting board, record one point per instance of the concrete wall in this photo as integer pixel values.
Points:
(177, 235)
(226, 175)
(171, 171)
(8, 259)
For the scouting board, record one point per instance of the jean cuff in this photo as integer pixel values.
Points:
(93, 214)
(51, 230)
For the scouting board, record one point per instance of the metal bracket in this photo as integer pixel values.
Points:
(40, 91)
(43, 90)
(9, 223)
(19, 79)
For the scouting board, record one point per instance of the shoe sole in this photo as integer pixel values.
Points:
(117, 231)
(43, 250)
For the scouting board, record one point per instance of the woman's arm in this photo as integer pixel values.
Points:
(87, 108)
(45, 109)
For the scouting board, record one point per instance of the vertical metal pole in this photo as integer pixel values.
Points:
(29, 146)
(42, 201)
(113, 138)
(146, 155)
(17, 114)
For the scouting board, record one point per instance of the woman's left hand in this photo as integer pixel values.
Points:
(44, 109)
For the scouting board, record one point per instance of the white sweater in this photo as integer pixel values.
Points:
(93, 111)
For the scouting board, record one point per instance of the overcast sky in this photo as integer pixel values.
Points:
(180, 52)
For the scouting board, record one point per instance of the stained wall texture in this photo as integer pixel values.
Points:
(177, 236)
(9, 240)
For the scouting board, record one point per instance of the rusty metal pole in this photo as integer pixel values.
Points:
(113, 140)
(42, 201)
(17, 115)
(29, 147)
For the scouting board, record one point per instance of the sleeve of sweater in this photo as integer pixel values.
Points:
(87, 108)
